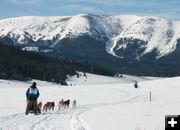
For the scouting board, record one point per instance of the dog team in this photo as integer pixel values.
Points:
(32, 95)
(49, 106)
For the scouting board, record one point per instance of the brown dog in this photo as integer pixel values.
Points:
(66, 103)
(63, 104)
(39, 105)
(49, 106)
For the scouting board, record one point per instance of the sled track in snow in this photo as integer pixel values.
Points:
(58, 120)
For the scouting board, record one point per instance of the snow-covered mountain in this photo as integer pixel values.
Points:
(157, 33)
(94, 37)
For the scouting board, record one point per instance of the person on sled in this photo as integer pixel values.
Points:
(32, 95)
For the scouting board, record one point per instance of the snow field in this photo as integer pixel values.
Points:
(105, 104)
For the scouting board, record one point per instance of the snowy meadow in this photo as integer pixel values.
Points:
(103, 103)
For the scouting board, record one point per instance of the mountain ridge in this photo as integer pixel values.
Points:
(119, 41)
(113, 28)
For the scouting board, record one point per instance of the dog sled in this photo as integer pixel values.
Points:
(33, 108)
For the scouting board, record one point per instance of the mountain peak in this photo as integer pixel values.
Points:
(157, 33)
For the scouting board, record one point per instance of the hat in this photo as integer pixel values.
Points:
(34, 84)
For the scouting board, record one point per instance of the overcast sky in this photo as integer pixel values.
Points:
(165, 8)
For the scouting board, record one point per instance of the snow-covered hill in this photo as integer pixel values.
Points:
(116, 105)
(90, 79)
(158, 33)
(48, 27)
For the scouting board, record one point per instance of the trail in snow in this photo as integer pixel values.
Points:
(59, 120)
(100, 100)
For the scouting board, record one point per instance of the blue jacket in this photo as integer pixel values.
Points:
(32, 93)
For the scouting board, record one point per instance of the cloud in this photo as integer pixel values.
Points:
(25, 1)
(172, 14)
(124, 3)
(168, 9)
(87, 9)
(71, 9)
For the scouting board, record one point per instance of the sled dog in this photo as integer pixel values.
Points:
(63, 104)
(39, 105)
(74, 104)
(66, 103)
(60, 105)
(49, 106)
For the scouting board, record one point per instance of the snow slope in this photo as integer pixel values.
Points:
(48, 27)
(139, 113)
(159, 33)
(99, 79)
(100, 105)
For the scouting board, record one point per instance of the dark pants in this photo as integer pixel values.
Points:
(31, 105)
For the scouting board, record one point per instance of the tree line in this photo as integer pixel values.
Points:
(22, 65)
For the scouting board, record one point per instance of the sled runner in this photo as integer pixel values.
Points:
(34, 109)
